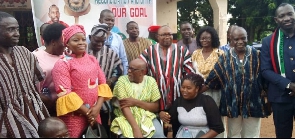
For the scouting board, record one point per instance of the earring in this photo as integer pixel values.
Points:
(68, 51)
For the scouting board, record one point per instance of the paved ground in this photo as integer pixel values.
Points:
(268, 129)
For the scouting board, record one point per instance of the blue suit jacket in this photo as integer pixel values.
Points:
(276, 83)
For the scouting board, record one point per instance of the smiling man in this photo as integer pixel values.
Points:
(134, 45)
(187, 40)
(138, 97)
(237, 75)
(277, 65)
(21, 106)
(109, 62)
(167, 63)
(108, 59)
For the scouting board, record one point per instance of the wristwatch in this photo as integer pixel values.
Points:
(288, 86)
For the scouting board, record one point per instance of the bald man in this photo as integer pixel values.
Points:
(53, 127)
(237, 75)
(230, 43)
(138, 96)
(42, 28)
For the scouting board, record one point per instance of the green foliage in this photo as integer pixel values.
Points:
(194, 11)
(256, 16)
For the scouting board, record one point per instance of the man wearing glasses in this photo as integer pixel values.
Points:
(167, 63)
(136, 100)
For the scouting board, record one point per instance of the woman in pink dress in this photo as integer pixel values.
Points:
(79, 82)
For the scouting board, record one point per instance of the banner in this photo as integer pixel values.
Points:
(87, 13)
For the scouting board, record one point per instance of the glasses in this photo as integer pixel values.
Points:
(166, 35)
(133, 69)
(205, 39)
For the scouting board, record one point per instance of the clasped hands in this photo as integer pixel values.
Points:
(92, 114)
(164, 116)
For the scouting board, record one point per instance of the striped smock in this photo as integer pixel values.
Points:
(21, 106)
(134, 49)
(168, 73)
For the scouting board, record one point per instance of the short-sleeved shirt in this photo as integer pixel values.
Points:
(146, 91)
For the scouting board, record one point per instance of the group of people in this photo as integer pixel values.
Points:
(143, 88)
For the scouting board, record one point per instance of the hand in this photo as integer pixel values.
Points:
(92, 114)
(137, 133)
(164, 116)
(49, 103)
(292, 94)
(46, 100)
(203, 89)
(111, 80)
(292, 87)
(127, 102)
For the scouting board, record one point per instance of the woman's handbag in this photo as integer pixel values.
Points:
(95, 131)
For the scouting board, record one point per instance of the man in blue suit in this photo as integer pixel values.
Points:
(278, 68)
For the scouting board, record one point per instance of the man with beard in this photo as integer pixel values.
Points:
(76, 8)
(187, 39)
(21, 106)
(278, 68)
(134, 45)
(54, 15)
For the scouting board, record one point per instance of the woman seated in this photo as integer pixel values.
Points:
(195, 112)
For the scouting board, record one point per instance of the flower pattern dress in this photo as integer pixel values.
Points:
(204, 66)
(78, 81)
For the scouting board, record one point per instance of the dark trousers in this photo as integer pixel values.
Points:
(283, 116)
(104, 121)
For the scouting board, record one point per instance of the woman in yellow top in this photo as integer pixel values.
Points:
(205, 58)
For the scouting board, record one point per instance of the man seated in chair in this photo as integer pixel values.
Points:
(137, 102)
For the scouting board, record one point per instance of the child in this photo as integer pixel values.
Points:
(53, 127)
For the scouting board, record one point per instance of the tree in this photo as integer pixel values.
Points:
(194, 11)
(256, 16)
